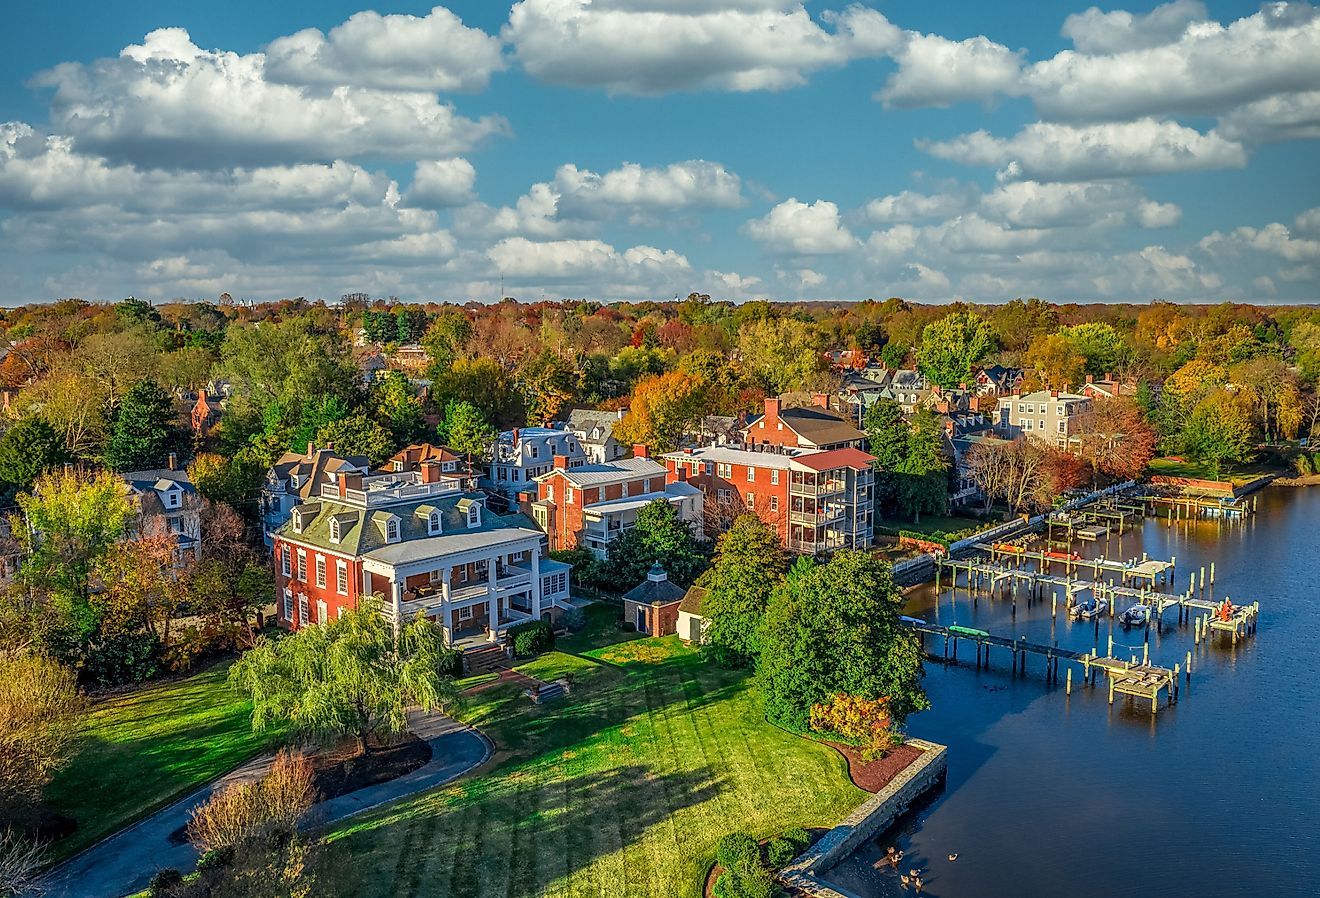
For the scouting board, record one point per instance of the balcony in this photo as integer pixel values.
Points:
(813, 518)
(826, 487)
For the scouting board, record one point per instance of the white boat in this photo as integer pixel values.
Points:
(1136, 616)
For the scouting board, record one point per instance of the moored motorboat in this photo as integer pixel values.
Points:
(1136, 616)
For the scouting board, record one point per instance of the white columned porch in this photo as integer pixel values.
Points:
(492, 601)
(536, 585)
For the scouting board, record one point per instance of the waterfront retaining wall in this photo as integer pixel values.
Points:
(870, 818)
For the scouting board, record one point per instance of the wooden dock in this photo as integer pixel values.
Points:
(1141, 680)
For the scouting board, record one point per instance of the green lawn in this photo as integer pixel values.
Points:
(600, 628)
(147, 748)
(934, 523)
(621, 789)
(1200, 470)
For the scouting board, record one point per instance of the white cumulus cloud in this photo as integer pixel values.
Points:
(795, 228)
(435, 52)
(168, 103)
(1051, 151)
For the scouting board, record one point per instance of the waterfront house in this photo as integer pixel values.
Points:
(1047, 415)
(423, 544)
(817, 500)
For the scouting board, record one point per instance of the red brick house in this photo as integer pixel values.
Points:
(589, 505)
(652, 605)
(421, 543)
(812, 427)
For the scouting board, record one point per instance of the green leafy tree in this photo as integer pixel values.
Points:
(894, 355)
(317, 415)
(347, 677)
(1218, 432)
(1099, 344)
(71, 522)
(40, 715)
(398, 407)
(29, 449)
(548, 381)
(951, 345)
(911, 468)
(748, 565)
(483, 383)
(660, 536)
(358, 435)
(143, 429)
(465, 430)
(782, 354)
(834, 628)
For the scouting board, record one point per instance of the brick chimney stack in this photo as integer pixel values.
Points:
(561, 462)
(820, 400)
(311, 448)
(772, 406)
(640, 450)
(430, 471)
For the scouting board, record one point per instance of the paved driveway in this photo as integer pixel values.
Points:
(125, 862)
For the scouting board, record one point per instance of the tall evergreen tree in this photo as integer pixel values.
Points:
(29, 449)
(143, 429)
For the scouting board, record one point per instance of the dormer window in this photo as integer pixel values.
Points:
(533, 451)
(297, 519)
(474, 516)
(172, 499)
(334, 530)
(433, 523)
(392, 530)
(293, 481)
(398, 465)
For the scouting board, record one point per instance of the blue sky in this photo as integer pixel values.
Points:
(635, 149)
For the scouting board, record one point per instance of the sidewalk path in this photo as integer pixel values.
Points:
(124, 863)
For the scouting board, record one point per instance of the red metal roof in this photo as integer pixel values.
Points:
(847, 457)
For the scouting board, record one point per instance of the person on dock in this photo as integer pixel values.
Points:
(1225, 611)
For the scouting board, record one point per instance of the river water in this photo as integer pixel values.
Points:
(1048, 794)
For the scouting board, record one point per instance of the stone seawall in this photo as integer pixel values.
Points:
(873, 816)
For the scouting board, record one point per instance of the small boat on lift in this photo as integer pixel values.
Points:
(1089, 609)
(1136, 616)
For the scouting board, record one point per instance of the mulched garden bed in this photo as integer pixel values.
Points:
(338, 771)
(875, 775)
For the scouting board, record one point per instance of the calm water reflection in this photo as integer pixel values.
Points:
(1056, 795)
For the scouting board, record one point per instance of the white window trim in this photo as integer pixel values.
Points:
(320, 571)
(341, 577)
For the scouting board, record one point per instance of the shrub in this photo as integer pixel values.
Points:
(737, 850)
(1303, 465)
(20, 865)
(779, 851)
(122, 658)
(863, 722)
(40, 718)
(165, 883)
(755, 883)
(245, 812)
(532, 638)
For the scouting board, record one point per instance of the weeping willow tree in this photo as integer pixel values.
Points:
(347, 677)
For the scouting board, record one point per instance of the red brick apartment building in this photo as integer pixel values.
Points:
(813, 427)
(819, 500)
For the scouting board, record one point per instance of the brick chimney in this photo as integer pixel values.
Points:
(311, 448)
(1090, 378)
(348, 482)
(1054, 394)
(430, 471)
(640, 450)
(174, 460)
(820, 400)
(561, 462)
(772, 407)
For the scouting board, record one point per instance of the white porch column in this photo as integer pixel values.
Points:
(396, 589)
(446, 611)
(492, 601)
(536, 583)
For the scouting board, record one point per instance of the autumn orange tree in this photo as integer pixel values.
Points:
(663, 407)
(1115, 439)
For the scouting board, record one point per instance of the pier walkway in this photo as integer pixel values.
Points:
(1141, 680)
